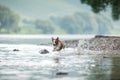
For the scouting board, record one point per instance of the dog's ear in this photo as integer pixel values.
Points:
(57, 38)
(52, 38)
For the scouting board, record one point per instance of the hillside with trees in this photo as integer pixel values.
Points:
(8, 20)
(84, 23)
(80, 22)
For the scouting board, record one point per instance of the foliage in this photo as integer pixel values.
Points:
(8, 20)
(78, 23)
(45, 26)
(84, 23)
(98, 5)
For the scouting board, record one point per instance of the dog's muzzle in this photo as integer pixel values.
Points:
(54, 44)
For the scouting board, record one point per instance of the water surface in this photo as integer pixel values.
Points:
(29, 64)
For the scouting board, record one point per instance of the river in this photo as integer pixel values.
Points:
(28, 64)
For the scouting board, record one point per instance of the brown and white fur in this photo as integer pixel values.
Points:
(57, 44)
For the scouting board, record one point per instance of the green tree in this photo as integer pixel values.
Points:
(84, 23)
(8, 20)
(99, 5)
(45, 26)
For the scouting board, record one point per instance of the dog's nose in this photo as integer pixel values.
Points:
(53, 44)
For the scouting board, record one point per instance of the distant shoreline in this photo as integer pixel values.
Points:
(61, 36)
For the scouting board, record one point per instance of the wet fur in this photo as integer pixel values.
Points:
(57, 44)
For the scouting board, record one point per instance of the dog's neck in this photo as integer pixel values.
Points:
(58, 46)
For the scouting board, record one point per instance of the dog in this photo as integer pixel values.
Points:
(57, 44)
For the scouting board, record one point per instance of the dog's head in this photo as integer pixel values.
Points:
(55, 41)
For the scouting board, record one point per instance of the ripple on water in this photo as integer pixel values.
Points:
(29, 64)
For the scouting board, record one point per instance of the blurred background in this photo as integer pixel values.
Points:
(59, 17)
(20, 54)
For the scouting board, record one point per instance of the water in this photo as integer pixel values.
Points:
(37, 39)
(29, 64)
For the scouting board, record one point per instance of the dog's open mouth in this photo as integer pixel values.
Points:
(54, 44)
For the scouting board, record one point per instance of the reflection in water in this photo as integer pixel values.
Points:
(115, 68)
(101, 70)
